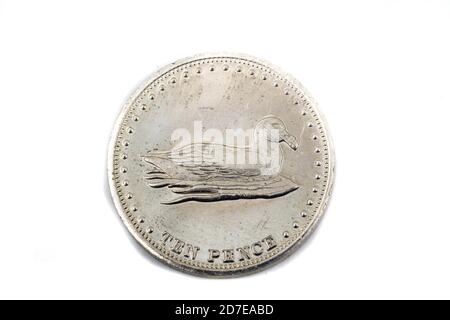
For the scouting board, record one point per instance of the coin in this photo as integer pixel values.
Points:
(220, 164)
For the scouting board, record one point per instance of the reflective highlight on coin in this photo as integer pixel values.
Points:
(220, 164)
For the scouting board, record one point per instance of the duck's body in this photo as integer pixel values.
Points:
(209, 161)
(209, 172)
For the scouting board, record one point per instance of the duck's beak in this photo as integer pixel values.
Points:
(290, 140)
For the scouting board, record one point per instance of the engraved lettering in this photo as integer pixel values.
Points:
(244, 253)
(167, 238)
(213, 255)
(270, 242)
(178, 247)
(228, 255)
(257, 248)
(190, 251)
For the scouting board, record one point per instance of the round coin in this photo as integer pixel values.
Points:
(220, 164)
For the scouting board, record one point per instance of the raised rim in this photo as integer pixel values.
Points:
(234, 272)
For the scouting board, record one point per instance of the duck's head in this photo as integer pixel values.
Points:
(270, 123)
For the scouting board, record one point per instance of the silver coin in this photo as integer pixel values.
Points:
(220, 164)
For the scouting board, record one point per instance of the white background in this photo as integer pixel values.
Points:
(380, 71)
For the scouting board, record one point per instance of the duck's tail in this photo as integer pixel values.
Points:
(156, 175)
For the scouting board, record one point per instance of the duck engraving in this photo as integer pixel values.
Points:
(203, 171)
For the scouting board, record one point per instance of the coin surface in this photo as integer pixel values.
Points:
(220, 164)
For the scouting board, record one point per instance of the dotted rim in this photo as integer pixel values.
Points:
(160, 82)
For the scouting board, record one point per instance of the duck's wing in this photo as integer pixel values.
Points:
(198, 161)
(195, 174)
(208, 161)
